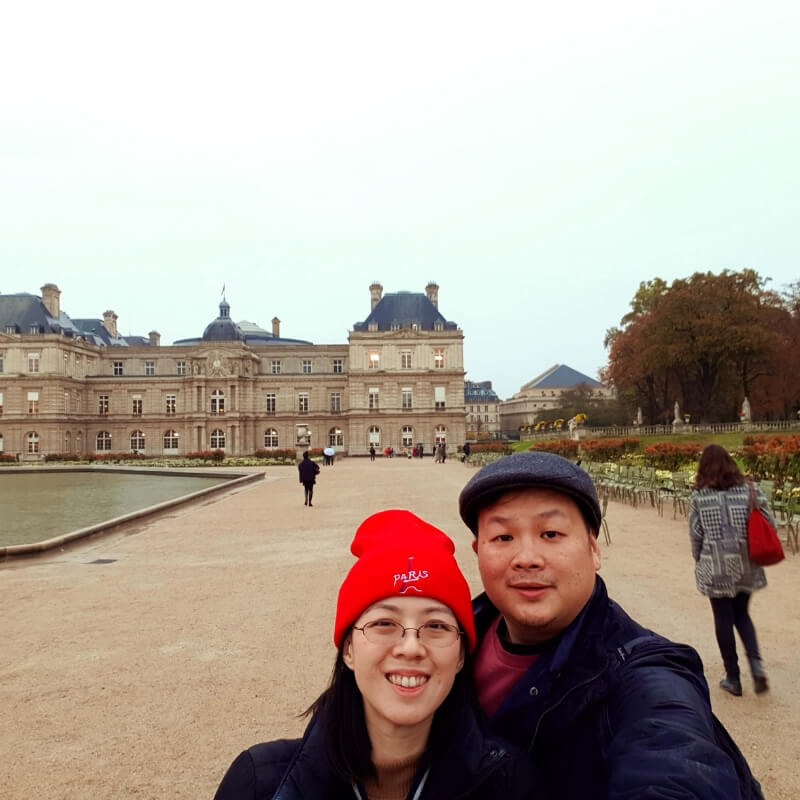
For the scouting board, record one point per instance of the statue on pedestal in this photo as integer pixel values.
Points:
(677, 410)
(746, 416)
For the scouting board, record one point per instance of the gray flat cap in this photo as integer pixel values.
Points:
(531, 470)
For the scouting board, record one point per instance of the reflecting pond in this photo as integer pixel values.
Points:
(39, 506)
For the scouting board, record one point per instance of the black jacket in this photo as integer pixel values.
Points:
(476, 767)
(612, 710)
(308, 470)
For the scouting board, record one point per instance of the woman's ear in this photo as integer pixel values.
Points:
(460, 660)
(347, 651)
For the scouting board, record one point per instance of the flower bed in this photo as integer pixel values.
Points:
(775, 457)
(668, 456)
(608, 449)
(562, 447)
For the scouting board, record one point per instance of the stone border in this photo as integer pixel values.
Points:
(35, 548)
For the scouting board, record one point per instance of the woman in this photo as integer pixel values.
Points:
(308, 470)
(723, 570)
(398, 719)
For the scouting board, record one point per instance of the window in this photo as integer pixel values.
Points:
(217, 401)
(405, 399)
(136, 405)
(270, 437)
(1, 404)
(306, 365)
(373, 399)
(276, 366)
(102, 405)
(395, 326)
(486, 408)
(137, 442)
(33, 363)
(302, 402)
(485, 417)
(117, 368)
(180, 367)
(11, 329)
(32, 440)
(2, 356)
(67, 442)
(33, 402)
(438, 325)
(336, 402)
(335, 437)
(405, 359)
(407, 436)
(66, 402)
(373, 359)
(171, 440)
(338, 365)
(217, 439)
(374, 435)
(415, 326)
(438, 357)
(149, 368)
(34, 329)
(170, 404)
(439, 396)
(270, 403)
(440, 434)
(103, 442)
(1, 442)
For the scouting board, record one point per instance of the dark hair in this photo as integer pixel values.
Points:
(717, 470)
(340, 709)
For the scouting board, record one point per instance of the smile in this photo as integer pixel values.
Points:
(407, 681)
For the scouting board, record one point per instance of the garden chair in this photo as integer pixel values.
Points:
(603, 520)
(790, 517)
(647, 486)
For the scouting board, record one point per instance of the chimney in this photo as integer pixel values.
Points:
(376, 293)
(51, 299)
(432, 290)
(276, 327)
(110, 323)
(155, 339)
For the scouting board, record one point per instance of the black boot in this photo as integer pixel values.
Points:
(760, 684)
(731, 685)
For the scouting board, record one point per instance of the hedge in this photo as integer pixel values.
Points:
(608, 449)
(776, 457)
(665, 455)
(562, 447)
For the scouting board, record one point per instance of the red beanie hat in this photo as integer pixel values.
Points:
(401, 554)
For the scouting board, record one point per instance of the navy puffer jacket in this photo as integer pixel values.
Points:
(611, 710)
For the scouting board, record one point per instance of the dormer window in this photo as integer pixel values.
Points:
(438, 325)
(34, 329)
(373, 326)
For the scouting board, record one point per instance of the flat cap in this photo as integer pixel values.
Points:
(532, 470)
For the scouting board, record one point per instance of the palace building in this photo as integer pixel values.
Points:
(70, 385)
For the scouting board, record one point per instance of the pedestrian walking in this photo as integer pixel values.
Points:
(308, 476)
(724, 573)
(372, 452)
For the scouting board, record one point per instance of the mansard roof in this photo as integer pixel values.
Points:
(94, 331)
(479, 392)
(24, 311)
(404, 310)
(560, 376)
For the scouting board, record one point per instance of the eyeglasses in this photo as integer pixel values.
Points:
(386, 632)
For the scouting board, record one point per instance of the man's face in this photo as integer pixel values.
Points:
(537, 562)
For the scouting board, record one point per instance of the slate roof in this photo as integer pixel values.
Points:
(479, 392)
(402, 310)
(24, 311)
(94, 331)
(561, 376)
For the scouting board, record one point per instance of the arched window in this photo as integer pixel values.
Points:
(79, 442)
(1, 442)
(335, 437)
(270, 437)
(217, 401)
(171, 441)
(67, 442)
(407, 436)
(374, 435)
(103, 442)
(217, 439)
(440, 434)
(137, 442)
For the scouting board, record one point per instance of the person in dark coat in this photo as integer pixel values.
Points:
(724, 573)
(372, 452)
(606, 708)
(399, 720)
(308, 470)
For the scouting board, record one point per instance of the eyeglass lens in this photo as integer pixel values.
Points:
(434, 633)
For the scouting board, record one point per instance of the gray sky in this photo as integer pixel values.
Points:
(537, 160)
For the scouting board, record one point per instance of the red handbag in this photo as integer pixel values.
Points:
(763, 543)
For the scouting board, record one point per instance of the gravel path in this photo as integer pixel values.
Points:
(210, 630)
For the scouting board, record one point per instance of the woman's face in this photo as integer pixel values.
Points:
(403, 683)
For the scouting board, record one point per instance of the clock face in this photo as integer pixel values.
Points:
(217, 362)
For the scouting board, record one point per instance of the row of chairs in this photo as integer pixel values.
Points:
(639, 485)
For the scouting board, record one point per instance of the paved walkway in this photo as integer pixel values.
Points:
(139, 665)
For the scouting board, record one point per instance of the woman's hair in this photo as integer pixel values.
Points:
(340, 709)
(717, 470)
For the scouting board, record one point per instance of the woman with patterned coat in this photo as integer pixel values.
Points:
(723, 570)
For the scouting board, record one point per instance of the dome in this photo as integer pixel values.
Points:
(223, 328)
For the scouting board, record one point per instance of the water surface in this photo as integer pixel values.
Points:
(39, 506)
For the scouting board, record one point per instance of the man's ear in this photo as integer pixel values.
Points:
(475, 545)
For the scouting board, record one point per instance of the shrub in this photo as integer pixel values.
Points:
(776, 458)
(668, 456)
(284, 455)
(7, 458)
(562, 447)
(491, 447)
(603, 449)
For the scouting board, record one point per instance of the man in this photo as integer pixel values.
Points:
(607, 708)
(308, 476)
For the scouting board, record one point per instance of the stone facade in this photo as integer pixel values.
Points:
(482, 407)
(76, 386)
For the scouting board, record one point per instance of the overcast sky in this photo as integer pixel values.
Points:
(536, 160)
